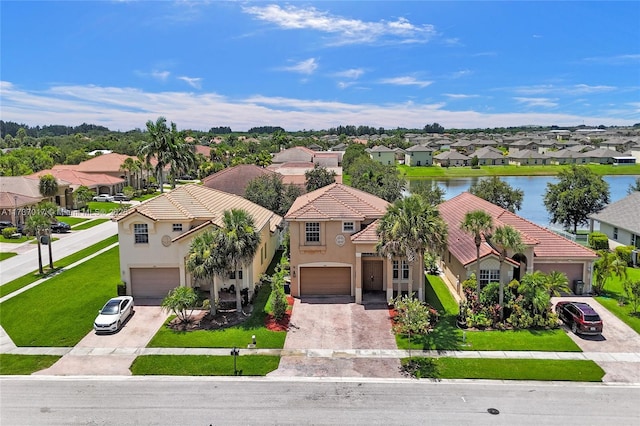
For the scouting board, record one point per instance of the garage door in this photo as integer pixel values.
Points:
(321, 281)
(153, 283)
(573, 271)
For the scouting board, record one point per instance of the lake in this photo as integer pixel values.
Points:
(534, 188)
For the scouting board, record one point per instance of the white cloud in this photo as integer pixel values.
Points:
(406, 81)
(571, 90)
(129, 108)
(345, 30)
(353, 73)
(537, 102)
(460, 96)
(194, 82)
(631, 58)
(160, 75)
(305, 67)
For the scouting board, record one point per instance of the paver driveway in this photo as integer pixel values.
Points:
(337, 323)
(617, 338)
(111, 354)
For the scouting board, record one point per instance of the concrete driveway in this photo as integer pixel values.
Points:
(111, 354)
(337, 323)
(617, 338)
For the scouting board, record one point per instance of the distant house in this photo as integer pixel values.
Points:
(620, 221)
(527, 157)
(382, 155)
(234, 180)
(567, 156)
(418, 155)
(489, 156)
(451, 159)
(18, 194)
(602, 155)
(294, 172)
(294, 154)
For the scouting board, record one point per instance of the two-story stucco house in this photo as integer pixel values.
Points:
(155, 238)
(383, 155)
(418, 155)
(333, 246)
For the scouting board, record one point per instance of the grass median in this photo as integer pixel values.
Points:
(203, 365)
(11, 364)
(509, 170)
(90, 224)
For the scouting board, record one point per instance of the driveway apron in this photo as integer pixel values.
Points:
(335, 323)
(617, 337)
(111, 354)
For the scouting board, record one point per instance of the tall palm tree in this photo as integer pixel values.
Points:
(48, 186)
(130, 166)
(181, 156)
(477, 223)
(37, 224)
(206, 259)
(506, 238)
(241, 241)
(157, 147)
(48, 210)
(410, 227)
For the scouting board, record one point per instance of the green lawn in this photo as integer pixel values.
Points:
(509, 369)
(7, 255)
(90, 224)
(25, 364)
(20, 240)
(446, 336)
(71, 220)
(61, 310)
(613, 292)
(101, 207)
(145, 197)
(550, 170)
(27, 279)
(203, 365)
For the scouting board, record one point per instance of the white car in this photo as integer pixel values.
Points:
(114, 313)
(103, 197)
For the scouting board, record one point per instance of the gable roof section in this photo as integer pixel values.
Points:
(461, 244)
(234, 180)
(622, 214)
(367, 235)
(106, 163)
(337, 202)
(77, 178)
(19, 191)
(197, 202)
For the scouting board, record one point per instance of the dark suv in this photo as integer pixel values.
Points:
(5, 224)
(581, 317)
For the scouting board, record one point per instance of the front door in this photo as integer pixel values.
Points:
(372, 275)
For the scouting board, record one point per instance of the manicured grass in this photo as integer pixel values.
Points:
(71, 220)
(447, 336)
(203, 365)
(20, 240)
(146, 197)
(61, 310)
(613, 292)
(27, 279)
(90, 224)
(105, 208)
(7, 255)
(549, 170)
(510, 369)
(25, 364)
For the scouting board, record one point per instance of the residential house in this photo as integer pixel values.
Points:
(234, 180)
(464, 146)
(523, 144)
(101, 183)
(545, 251)
(333, 246)
(155, 238)
(451, 159)
(418, 155)
(489, 156)
(20, 194)
(567, 156)
(602, 155)
(620, 221)
(106, 165)
(297, 154)
(293, 173)
(527, 157)
(382, 155)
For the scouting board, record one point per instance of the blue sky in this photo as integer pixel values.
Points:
(315, 65)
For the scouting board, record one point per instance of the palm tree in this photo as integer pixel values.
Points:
(477, 222)
(557, 283)
(206, 259)
(506, 238)
(157, 147)
(609, 264)
(48, 186)
(533, 287)
(410, 227)
(181, 157)
(131, 167)
(48, 210)
(37, 224)
(241, 241)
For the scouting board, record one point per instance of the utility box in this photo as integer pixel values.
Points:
(578, 286)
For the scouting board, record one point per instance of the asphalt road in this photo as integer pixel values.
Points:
(68, 244)
(243, 401)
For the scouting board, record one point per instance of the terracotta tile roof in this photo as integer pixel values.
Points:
(337, 202)
(197, 202)
(106, 163)
(622, 214)
(367, 235)
(77, 178)
(461, 244)
(234, 180)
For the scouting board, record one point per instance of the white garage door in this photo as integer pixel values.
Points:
(324, 281)
(153, 283)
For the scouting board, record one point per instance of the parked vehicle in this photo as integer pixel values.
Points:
(63, 212)
(60, 227)
(580, 317)
(103, 197)
(6, 224)
(114, 313)
(121, 197)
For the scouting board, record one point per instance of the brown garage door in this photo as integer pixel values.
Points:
(321, 281)
(153, 283)
(573, 271)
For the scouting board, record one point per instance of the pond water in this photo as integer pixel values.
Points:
(534, 188)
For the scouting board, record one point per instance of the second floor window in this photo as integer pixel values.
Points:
(141, 233)
(348, 227)
(615, 233)
(312, 232)
(177, 227)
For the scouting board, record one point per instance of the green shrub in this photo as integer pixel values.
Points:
(624, 253)
(8, 232)
(490, 294)
(598, 241)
